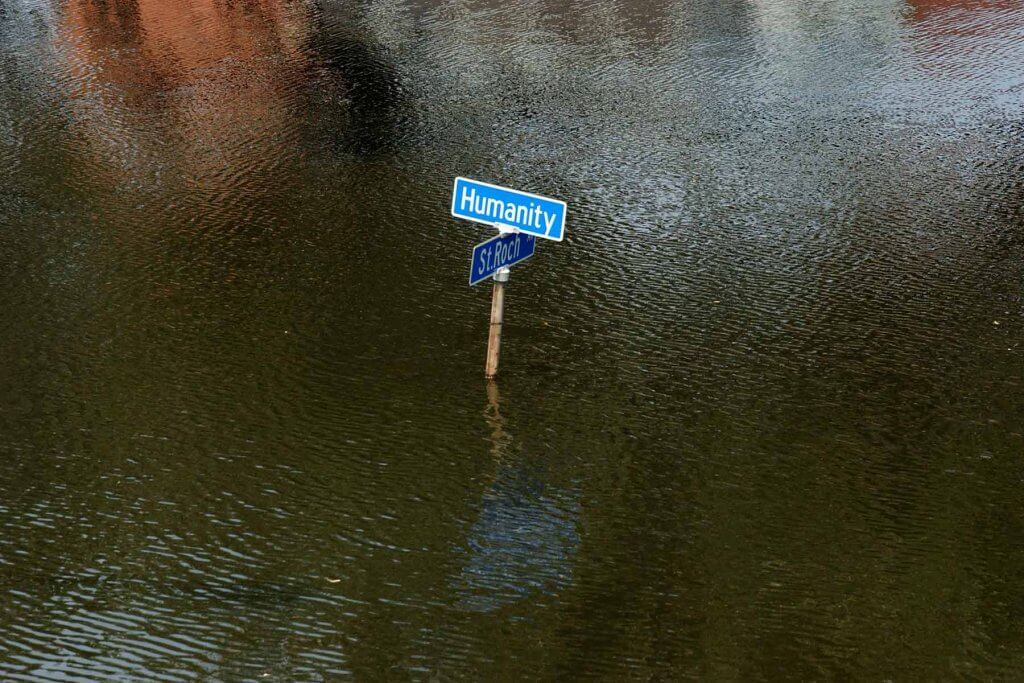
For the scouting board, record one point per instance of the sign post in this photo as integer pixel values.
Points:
(520, 218)
(497, 319)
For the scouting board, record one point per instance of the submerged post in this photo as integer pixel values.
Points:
(520, 217)
(497, 318)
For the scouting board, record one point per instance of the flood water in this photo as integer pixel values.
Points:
(760, 416)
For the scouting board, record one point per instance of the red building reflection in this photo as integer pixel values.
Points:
(199, 81)
(924, 10)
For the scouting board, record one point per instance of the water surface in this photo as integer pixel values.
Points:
(759, 416)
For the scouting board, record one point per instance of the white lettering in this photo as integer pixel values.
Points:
(521, 215)
(467, 196)
(494, 207)
(549, 220)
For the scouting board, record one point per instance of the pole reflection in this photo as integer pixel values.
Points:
(525, 539)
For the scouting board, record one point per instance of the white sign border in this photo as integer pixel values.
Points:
(565, 207)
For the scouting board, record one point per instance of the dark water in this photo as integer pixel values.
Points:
(760, 416)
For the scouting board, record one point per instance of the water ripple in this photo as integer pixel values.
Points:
(758, 414)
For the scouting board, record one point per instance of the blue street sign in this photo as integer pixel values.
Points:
(490, 204)
(500, 252)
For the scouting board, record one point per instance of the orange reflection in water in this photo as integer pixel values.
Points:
(202, 81)
(926, 9)
(953, 38)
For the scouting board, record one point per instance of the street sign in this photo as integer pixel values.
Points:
(521, 218)
(498, 252)
(493, 205)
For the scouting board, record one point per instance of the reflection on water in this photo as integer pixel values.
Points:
(198, 85)
(924, 10)
(525, 537)
(759, 414)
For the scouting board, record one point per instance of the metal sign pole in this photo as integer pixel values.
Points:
(497, 318)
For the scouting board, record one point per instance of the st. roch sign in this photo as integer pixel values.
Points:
(520, 218)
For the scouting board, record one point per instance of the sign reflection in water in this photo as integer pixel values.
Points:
(525, 538)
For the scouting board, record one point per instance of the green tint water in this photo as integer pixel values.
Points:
(759, 416)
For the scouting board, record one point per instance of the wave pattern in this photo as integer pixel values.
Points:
(759, 414)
